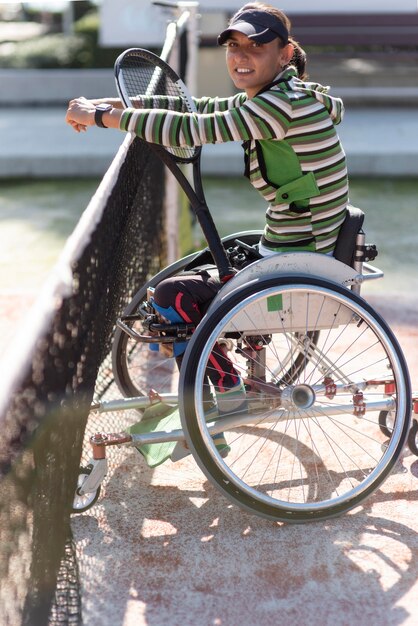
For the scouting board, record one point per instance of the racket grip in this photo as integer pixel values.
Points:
(215, 245)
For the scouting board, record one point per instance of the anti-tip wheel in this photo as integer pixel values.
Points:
(413, 437)
(83, 502)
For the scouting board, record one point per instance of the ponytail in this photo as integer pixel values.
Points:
(299, 59)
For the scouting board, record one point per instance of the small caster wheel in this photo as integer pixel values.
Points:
(413, 438)
(83, 502)
(385, 423)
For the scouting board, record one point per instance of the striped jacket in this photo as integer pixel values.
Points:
(293, 155)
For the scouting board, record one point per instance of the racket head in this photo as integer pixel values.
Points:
(139, 72)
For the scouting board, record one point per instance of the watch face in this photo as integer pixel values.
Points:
(104, 107)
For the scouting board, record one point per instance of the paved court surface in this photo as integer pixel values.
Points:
(163, 547)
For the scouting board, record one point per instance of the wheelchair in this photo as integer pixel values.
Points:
(328, 397)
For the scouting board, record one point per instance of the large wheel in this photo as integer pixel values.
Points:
(136, 368)
(310, 448)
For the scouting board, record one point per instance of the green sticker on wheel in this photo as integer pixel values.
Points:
(274, 303)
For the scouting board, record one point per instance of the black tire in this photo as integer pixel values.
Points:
(327, 456)
(84, 502)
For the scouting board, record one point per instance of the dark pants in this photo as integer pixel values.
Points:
(190, 296)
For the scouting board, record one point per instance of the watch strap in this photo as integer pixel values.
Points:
(98, 115)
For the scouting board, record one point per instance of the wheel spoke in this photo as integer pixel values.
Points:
(309, 447)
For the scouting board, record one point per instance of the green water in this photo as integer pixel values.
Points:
(36, 218)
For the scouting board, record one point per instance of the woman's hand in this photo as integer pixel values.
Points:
(80, 114)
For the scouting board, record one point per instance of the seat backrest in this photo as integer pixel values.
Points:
(346, 242)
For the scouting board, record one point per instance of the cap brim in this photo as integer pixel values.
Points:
(258, 34)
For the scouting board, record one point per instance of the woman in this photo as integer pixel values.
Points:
(293, 157)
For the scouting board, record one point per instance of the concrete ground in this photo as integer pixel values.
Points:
(163, 547)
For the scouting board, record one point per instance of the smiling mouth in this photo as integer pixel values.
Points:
(243, 70)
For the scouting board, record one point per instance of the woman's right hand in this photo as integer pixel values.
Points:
(80, 114)
(76, 125)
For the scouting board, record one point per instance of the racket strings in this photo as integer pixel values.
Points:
(141, 77)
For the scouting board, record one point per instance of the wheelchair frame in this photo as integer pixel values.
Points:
(307, 460)
(295, 402)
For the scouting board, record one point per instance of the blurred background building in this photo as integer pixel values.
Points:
(51, 51)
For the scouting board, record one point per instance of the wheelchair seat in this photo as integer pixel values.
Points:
(347, 237)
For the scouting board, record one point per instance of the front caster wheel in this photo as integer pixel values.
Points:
(386, 423)
(83, 502)
(413, 438)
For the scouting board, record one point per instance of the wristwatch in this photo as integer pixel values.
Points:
(100, 110)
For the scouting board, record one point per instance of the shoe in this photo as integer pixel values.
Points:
(221, 445)
(219, 440)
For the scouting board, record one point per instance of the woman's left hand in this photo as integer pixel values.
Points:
(80, 114)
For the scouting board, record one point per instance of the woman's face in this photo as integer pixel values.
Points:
(252, 65)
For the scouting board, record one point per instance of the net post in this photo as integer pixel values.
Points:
(187, 21)
(193, 39)
(172, 192)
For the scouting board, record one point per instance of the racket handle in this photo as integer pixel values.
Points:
(201, 210)
(215, 244)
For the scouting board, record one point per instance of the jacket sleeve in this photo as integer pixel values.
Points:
(267, 116)
(203, 105)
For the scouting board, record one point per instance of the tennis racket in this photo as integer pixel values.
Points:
(142, 75)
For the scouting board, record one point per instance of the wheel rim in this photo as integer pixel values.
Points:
(82, 502)
(315, 481)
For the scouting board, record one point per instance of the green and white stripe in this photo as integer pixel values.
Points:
(292, 147)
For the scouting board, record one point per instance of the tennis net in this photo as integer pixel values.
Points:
(60, 360)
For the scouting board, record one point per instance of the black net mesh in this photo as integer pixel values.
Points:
(44, 422)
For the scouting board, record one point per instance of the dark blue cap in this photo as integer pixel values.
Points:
(259, 26)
